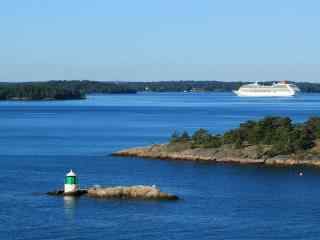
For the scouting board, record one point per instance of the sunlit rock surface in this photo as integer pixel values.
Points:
(122, 192)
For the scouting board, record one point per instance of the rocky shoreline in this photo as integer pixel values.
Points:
(224, 154)
(143, 192)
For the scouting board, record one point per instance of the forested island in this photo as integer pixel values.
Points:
(272, 140)
(38, 92)
(207, 86)
(78, 89)
(59, 90)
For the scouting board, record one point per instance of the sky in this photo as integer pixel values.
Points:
(151, 40)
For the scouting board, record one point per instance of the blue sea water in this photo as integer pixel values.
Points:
(41, 141)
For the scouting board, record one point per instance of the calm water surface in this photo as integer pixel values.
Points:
(41, 141)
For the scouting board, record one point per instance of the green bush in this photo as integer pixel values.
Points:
(279, 133)
(183, 138)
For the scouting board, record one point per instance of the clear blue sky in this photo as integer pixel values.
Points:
(159, 39)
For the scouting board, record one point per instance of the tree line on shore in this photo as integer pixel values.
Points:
(38, 92)
(207, 86)
(58, 90)
(279, 133)
(77, 89)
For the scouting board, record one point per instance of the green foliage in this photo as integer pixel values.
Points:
(58, 90)
(214, 142)
(206, 86)
(200, 138)
(279, 133)
(77, 89)
(183, 138)
(37, 91)
(174, 137)
(180, 86)
(313, 126)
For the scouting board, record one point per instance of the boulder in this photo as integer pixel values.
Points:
(130, 192)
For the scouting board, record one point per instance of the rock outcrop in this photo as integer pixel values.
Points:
(164, 151)
(224, 154)
(132, 192)
(121, 192)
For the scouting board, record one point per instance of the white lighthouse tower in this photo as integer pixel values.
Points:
(71, 183)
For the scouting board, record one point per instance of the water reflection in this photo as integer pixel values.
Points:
(70, 203)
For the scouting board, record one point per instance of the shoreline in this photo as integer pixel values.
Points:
(161, 152)
(143, 192)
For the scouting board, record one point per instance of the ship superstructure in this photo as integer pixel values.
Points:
(280, 89)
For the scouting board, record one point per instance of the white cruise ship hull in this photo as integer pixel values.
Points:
(282, 89)
(264, 94)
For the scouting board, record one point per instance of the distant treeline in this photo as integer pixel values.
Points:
(59, 90)
(206, 86)
(38, 91)
(181, 86)
(279, 133)
(77, 89)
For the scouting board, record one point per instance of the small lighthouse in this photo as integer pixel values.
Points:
(71, 183)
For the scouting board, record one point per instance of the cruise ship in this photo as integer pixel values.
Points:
(280, 89)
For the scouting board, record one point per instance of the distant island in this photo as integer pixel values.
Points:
(78, 89)
(59, 90)
(207, 86)
(272, 140)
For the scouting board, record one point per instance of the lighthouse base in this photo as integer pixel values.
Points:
(77, 193)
